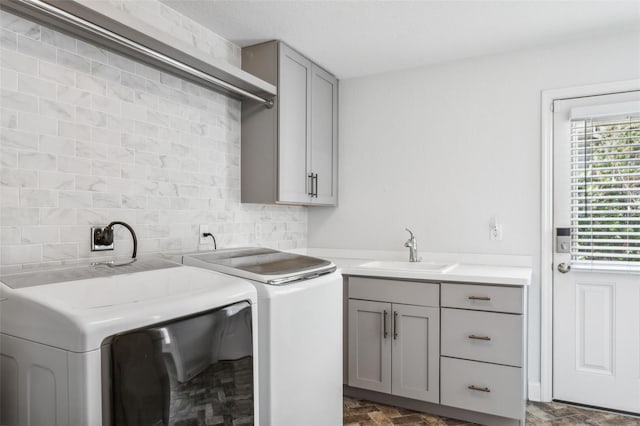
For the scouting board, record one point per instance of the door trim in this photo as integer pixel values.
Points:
(546, 219)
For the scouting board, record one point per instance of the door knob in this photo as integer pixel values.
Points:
(564, 268)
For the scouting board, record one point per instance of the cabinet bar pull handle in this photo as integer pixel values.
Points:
(315, 192)
(395, 325)
(310, 176)
(473, 336)
(477, 388)
(479, 298)
(384, 324)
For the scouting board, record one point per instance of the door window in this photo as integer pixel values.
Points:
(605, 189)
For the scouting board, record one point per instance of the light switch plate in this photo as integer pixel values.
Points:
(98, 247)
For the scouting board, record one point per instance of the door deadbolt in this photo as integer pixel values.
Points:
(563, 240)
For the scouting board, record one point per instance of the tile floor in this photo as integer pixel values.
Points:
(366, 413)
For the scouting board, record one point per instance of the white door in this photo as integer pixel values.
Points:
(416, 352)
(596, 282)
(370, 345)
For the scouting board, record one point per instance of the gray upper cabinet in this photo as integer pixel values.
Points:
(290, 152)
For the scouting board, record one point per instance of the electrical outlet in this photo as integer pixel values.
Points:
(496, 233)
(258, 231)
(495, 229)
(204, 240)
(95, 245)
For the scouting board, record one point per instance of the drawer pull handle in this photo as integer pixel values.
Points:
(384, 324)
(479, 298)
(473, 336)
(477, 388)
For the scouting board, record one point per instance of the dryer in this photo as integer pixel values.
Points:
(136, 344)
(300, 331)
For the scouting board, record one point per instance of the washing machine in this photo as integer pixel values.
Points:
(299, 328)
(146, 343)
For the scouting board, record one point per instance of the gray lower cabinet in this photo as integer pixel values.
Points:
(289, 153)
(483, 363)
(458, 349)
(394, 348)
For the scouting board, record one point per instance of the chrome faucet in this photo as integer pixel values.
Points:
(412, 243)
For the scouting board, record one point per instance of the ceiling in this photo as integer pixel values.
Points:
(352, 38)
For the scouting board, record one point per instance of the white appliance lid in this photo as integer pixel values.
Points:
(261, 264)
(78, 314)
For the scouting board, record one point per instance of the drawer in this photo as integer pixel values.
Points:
(394, 291)
(482, 336)
(487, 388)
(483, 297)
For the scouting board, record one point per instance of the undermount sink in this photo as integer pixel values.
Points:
(411, 266)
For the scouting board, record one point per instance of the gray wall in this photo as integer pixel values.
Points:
(443, 148)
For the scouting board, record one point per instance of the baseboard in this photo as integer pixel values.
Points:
(534, 392)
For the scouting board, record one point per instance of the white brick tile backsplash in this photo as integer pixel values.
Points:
(73, 61)
(57, 39)
(88, 136)
(8, 78)
(105, 168)
(58, 216)
(92, 52)
(37, 124)
(36, 161)
(18, 216)
(40, 234)
(63, 251)
(22, 254)
(8, 39)
(91, 183)
(8, 118)
(8, 157)
(56, 73)
(16, 61)
(91, 150)
(10, 235)
(121, 62)
(18, 101)
(10, 196)
(71, 95)
(58, 110)
(36, 86)
(18, 178)
(19, 25)
(38, 198)
(91, 84)
(57, 145)
(106, 200)
(74, 130)
(57, 181)
(74, 165)
(36, 48)
(74, 199)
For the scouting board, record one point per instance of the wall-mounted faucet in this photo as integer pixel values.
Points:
(412, 243)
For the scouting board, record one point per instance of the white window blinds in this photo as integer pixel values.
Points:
(605, 190)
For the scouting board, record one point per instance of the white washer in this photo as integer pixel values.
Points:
(57, 329)
(300, 332)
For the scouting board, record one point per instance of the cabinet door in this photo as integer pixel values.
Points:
(370, 345)
(416, 352)
(294, 103)
(324, 135)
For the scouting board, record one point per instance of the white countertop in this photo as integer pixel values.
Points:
(482, 269)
